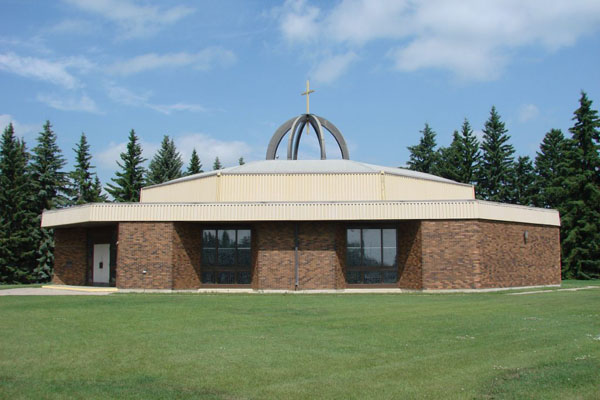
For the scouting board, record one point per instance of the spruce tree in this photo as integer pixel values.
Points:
(49, 183)
(523, 186)
(580, 227)
(166, 163)
(18, 231)
(550, 171)
(496, 164)
(217, 164)
(195, 167)
(241, 161)
(448, 160)
(85, 185)
(423, 156)
(130, 179)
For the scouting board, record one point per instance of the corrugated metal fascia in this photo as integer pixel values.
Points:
(300, 211)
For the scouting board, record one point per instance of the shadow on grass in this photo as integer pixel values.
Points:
(547, 381)
(142, 387)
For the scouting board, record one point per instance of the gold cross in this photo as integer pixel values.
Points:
(307, 94)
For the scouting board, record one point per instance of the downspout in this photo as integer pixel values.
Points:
(296, 256)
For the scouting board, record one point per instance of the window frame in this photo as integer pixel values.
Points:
(362, 267)
(216, 268)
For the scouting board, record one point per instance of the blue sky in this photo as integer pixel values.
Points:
(222, 76)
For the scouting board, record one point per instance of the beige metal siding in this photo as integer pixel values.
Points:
(378, 210)
(305, 187)
(405, 188)
(204, 190)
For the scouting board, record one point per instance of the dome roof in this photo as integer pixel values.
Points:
(292, 167)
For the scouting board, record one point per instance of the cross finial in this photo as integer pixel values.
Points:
(307, 94)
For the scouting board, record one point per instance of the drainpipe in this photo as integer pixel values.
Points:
(296, 255)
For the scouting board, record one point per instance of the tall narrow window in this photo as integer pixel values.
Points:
(226, 256)
(371, 256)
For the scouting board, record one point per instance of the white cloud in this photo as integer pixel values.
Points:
(169, 108)
(55, 72)
(206, 146)
(298, 21)
(203, 60)
(71, 103)
(333, 67)
(527, 112)
(126, 97)
(473, 39)
(21, 129)
(73, 26)
(133, 20)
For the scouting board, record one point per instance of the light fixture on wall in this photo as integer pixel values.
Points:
(525, 236)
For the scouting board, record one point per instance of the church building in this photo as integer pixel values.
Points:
(289, 224)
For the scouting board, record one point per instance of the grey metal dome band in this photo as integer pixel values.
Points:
(296, 132)
(295, 127)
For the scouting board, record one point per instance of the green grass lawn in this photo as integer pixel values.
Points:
(482, 346)
(21, 286)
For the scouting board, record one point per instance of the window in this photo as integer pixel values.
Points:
(371, 255)
(226, 256)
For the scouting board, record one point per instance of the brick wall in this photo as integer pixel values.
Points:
(187, 253)
(70, 261)
(145, 246)
(457, 254)
(472, 254)
(507, 260)
(274, 257)
(410, 273)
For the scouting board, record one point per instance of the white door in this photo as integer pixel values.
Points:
(101, 263)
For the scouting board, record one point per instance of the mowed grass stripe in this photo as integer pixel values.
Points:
(486, 345)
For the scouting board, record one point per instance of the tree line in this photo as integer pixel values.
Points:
(565, 175)
(34, 181)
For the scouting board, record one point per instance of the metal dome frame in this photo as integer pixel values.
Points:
(295, 126)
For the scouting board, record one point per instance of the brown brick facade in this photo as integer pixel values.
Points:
(145, 246)
(70, 262)
(433, 254)
(472, 254)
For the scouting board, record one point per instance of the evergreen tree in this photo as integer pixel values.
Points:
(166, 163)
(469, 154)
(130, 179)
(217, 164)
(523, 182)
(241, 161)
(423, 156)
(85, 185)
(18, 230)
(49, 183)
(580, 227)
(496, 164)
(195, 167)
(550, 171)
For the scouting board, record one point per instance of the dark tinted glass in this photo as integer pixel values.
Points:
(227, 239)
(244, 277)
(243, 239)
(353, 276)
(209, 256)
(353, 257)
(244, 258)
(390, 276)
(226, 257)
(208, 277)
(353, 238)
(372, 277)
(209, 238)
(372, 247)
(226, 277)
